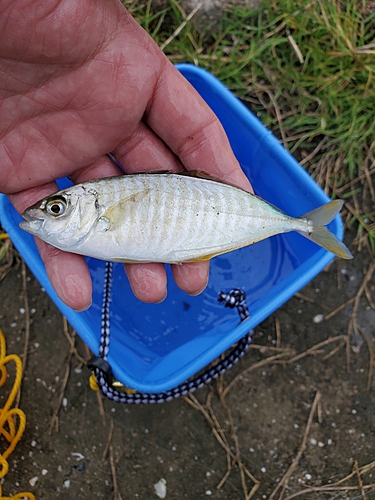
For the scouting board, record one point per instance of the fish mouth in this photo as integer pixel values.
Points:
(32, 223)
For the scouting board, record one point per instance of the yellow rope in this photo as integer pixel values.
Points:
(117, 385)
(93, 383)
(12, 420)
(3, 236)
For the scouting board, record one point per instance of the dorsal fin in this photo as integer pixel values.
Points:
(146, 172)
(197, 174)
(202, 174)
(160, 171)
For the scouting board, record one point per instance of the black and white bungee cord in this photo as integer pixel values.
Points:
(236, 298)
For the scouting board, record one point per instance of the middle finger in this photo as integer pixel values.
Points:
(146, 152)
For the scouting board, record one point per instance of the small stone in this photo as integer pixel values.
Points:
(313, 441)
(67, 483)
(308, 476)
(33, 481)
(208, 492)
(263, 469)
(161, 488)
(44, 472)
(318, 318)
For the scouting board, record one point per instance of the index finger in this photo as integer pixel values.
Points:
(181, 117)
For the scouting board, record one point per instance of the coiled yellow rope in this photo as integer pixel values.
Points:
(12, 420)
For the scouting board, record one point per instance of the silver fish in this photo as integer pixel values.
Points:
(168, 218)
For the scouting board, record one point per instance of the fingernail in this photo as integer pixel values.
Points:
(84, 308)
(162, 300)
(194, 294)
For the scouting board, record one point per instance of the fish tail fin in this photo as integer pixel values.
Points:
(320, 235)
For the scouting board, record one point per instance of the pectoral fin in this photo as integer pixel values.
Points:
(115, 214)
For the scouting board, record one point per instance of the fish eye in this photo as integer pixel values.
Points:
(56, 206)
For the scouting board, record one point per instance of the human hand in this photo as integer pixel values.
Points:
(79, 79)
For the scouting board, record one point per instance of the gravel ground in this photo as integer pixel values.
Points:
(312, 407)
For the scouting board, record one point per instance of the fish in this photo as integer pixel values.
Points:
(170, 218)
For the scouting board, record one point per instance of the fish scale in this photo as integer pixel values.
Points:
(167, 218)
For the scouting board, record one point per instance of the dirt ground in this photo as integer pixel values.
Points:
(279, 407)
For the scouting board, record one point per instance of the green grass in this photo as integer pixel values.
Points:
(306, 68)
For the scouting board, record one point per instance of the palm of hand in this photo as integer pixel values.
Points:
(78, 80)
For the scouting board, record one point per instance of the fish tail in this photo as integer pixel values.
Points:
(320, 235)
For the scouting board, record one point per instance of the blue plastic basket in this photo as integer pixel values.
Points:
(156, 347)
